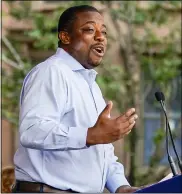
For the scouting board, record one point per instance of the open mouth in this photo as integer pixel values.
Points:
(99, 51)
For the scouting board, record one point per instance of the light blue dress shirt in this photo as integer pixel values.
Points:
(59, 101)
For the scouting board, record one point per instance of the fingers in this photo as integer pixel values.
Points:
(133, 119)
(107, 110)
(133, 189)
(126, 125)
(127, 121)
(130, 112)
(126, 116)
(127, 130)
(117, 128)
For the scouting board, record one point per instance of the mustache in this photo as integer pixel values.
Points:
(99, 45)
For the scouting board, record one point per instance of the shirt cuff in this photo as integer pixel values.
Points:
(115, 181)
(77, 137)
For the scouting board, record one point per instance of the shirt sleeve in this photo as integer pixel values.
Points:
(43, 104)
(115, 175)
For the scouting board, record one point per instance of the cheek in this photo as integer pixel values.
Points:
(82, 43)
(79, 46)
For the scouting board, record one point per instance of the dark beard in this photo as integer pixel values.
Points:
(87, 64)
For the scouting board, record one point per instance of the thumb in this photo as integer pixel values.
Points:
(107, 110)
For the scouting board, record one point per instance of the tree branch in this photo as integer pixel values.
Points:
(13, 51)
(10, 62)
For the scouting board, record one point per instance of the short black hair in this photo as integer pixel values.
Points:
(69, 15)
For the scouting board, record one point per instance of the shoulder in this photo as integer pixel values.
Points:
(53, 64)
(53, 67)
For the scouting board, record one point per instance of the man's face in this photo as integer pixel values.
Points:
(88, 39)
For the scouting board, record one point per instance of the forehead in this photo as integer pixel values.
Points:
(88, 16)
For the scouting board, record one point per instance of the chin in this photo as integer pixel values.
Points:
(94, 64)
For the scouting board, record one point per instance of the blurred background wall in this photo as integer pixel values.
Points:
(144, 55)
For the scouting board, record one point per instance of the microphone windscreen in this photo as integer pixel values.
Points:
(162, 96)
(159, 96)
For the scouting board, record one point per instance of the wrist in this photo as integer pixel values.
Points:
(90, 137)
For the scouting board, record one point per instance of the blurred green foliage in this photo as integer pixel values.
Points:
(159, 57)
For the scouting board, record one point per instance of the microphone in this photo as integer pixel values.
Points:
(161, 98)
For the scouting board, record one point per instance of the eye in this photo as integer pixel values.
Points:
(105, 33)
(88, 30)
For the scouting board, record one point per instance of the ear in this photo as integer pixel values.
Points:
(64, 37)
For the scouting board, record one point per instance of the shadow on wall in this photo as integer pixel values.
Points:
(7, 179)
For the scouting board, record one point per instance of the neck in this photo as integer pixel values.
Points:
(73, 54)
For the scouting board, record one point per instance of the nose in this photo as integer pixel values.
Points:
(99, 36)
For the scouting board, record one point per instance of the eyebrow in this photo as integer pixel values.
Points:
(88, 22)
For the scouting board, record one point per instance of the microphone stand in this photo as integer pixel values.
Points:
(168, 129)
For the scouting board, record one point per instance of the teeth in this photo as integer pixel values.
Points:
(98, 50)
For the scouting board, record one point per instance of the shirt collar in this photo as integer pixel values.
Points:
(72, 62)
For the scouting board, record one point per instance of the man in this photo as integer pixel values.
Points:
(65, 126)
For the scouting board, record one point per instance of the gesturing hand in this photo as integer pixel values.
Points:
(107, 129)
